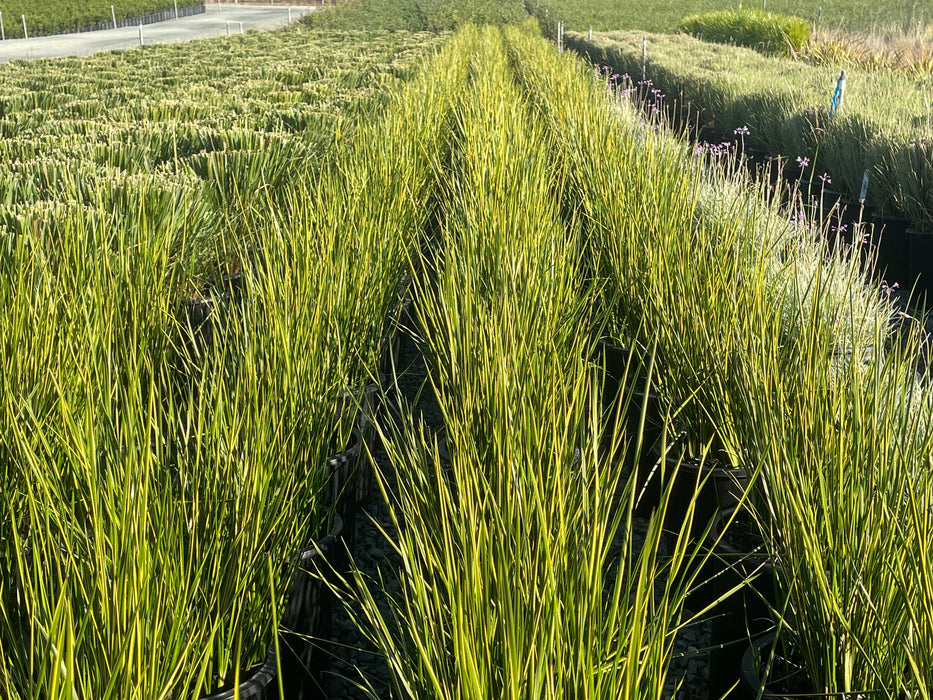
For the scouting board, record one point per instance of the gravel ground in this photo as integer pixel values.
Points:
(217, 20)
(357, 663)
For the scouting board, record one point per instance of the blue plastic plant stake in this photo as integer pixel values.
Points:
(836, 104)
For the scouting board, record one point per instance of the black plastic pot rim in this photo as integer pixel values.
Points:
(305, 555)
(252, 688)
(752, 682)
(367, 390)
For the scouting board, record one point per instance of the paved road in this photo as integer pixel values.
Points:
(214, 22)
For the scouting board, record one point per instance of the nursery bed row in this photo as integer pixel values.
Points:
(225, 121)
(646, 15)
(785, 107)
(535, 221)
(754, 344)
(165, 449)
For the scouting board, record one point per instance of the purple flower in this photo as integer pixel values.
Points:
(802, 162)
(824, 177)
(741, 131)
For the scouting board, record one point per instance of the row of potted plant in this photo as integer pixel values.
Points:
(165, 463)
(775, 357)
(520, 574)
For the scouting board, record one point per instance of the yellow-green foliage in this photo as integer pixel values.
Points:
(891, 50)
(757, 29)
(159, 473)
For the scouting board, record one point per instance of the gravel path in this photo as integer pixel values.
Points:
(217, 20)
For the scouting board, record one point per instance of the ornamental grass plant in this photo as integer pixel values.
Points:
(763, 31)
(520, 574)
(769, 328)
(843, 468)
(159, 477)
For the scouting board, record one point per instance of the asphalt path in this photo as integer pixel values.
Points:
(217, 20)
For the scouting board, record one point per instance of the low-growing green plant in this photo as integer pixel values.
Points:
(757, 29)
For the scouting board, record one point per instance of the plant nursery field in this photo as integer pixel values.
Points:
(665, 15)
(176, 464)
(208, 255)
(45, 17)
(885, 126)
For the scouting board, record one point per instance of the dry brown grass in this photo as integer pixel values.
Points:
(884, 48)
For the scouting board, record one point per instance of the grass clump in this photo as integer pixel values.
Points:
(160, 472)
(881, 49)
(763, 31)
(521, 576)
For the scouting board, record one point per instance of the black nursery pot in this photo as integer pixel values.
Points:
(837, 213)
(307, 617)
(741, 617)
(350, 467)
(714, 485)
(398, 349)
(351, 484)
(356, 408)
(618, 386)
(920, 258)
(753, 682)
(261, 684)
(889, 247)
